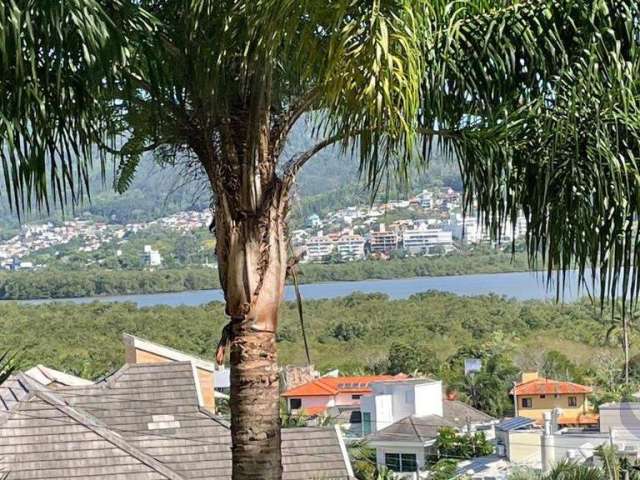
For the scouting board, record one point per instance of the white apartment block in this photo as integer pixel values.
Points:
(351, 247)
(427, 241)
(318, 248)
(471, 231)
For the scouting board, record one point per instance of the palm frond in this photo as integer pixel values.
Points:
(58, 63)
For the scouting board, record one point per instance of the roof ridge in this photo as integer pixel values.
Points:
(89, 421)
(413, 425)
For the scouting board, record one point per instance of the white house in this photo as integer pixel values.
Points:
(402, 420)
(151, 257)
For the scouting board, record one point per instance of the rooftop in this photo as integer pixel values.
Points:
(545, 386)
(328, 386)
(425, 429)
(142, 423)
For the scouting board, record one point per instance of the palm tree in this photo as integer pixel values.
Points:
(7, 366)
(537, 101)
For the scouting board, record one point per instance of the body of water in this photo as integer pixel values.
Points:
(522, 286)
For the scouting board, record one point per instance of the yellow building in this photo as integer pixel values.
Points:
(535, 395)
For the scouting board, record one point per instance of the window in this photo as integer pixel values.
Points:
(295, 403)
(543, 396)
(408, 462)
(573, 402)
(355, 397)
(366, 423)
(401, 462)
(527, 402)
(392, 461)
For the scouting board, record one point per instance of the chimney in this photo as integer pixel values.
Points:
(528, 376)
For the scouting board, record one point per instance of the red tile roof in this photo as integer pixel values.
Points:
(313, 411)
(582, 419)
(329, 386)
(545, 386)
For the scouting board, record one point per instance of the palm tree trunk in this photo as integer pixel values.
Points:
(252, 261)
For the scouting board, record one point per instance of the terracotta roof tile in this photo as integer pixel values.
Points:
(334, 385)
(545, 386)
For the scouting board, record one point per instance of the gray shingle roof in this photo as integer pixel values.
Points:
(411, 429)
(424, 429)
(143, 423)
(460, 413)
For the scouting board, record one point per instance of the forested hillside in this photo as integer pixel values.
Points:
(329, 181)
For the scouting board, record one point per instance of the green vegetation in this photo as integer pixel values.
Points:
(450, 444)
(85, 339)
(70, 283)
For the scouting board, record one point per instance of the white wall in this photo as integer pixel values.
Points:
(429, 399)
(619, 416)
(384, 412)
(393, 401)
(345, 399)
(319, 401)
(418, 451)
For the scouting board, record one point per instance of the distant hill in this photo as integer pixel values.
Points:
(329, 180)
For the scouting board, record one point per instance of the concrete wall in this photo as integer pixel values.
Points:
(429, 399)
(542, 405)
(315, 401)
(560, 446)
(346, 399)
(620, 416)
(523, 447)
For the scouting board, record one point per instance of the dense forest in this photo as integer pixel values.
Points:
(429, 333)
(70, 283)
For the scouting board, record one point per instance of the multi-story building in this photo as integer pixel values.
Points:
(427, 241)
(318, 248)
(383, 241)
(350, 247)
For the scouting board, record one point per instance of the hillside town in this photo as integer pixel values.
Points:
(91, 236)
(404, 419)
(429, 223)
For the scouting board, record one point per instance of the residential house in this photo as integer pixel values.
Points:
(535, 395)
(151, 257)
(139, 350)
(144, 422)
(401, 420)
(426, 199)
(316, 397)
